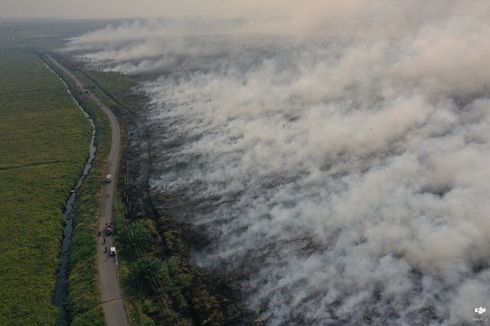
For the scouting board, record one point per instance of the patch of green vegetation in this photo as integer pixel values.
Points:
(84, 295)
(44, 142)
(114, 88)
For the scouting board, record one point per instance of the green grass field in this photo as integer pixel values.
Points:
(44, 141)
(84, 295)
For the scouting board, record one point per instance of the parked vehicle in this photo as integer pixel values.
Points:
(108, 229)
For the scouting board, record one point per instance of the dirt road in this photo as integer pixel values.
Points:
(110, 289)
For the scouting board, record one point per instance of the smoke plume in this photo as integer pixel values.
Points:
(340, 158)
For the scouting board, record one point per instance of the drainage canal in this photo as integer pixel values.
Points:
(61, 289)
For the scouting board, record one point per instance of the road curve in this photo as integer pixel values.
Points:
(110, 289)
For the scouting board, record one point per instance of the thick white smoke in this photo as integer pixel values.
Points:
(345, 168)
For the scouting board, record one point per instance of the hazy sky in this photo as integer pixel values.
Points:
(133, 8)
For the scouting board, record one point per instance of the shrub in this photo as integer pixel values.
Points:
(145, 272)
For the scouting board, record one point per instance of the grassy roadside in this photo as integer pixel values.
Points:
(44, 141)
(84, 295)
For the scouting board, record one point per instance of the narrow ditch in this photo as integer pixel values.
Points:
(61, 288)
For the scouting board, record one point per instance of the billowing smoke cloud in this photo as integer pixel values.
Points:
(344, 168)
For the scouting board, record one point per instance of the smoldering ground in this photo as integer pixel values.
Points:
(342, 162)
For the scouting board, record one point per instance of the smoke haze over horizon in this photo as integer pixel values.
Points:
(144, 8)
(341, 159)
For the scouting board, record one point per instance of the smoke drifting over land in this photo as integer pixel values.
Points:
(341, 160)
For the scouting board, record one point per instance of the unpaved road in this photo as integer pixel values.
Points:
(110, 289)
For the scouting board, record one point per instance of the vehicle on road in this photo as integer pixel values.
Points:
(108, 178)
(108, 229)
(112, 251)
